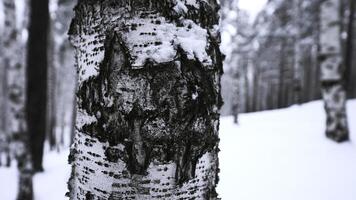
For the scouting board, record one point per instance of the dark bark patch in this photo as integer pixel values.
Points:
(112, 154)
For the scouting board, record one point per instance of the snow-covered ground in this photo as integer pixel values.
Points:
(284, 155)
(50, 185)
(271, 155)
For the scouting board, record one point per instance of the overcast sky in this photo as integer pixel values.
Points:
(252, 6)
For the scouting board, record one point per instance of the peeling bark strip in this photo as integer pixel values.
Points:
(333, 91)
(148, 99)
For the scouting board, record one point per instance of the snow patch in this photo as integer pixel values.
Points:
(157, 40)
(84, 118)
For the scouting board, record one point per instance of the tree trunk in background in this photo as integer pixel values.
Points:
(52, 87)
(330, 56)
(255, 99)
(235, 96)
(74, 117)
(65, 62)
(37, 78)
(349, 49)
(5, 158)
(282, 66)
(16, 94)
(74, 112)
(148, 100)
(298, 59)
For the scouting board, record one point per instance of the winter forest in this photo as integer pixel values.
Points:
(177, 99)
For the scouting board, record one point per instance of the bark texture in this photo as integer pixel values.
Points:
(18, 137)
(331, 61)
(148, 99)
(37, 78)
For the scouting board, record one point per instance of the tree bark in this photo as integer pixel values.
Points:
(331, 60)
(37, 79)
(148, 100)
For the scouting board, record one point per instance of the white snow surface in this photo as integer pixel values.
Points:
(141, 42)
(50, 185)
(284, 155)
(271, 155)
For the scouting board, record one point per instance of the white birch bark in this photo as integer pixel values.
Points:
(331, 61)
(148, 100)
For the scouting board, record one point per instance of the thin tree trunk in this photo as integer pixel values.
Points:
(282, 63)
(4, 132)
(349, 48)
(297, 68)
(255, 86)
(52, 88)
(62, 19)
(37, 79)
(235, 95)
(330, 56)
(74, 116)
(148, 101)
(16, 94)
(246, 86)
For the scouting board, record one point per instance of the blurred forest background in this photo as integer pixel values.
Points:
(272, 61)
(47, 81)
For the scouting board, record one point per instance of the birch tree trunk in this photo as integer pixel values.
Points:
(331, 61)
(16, 93)
(148, 99)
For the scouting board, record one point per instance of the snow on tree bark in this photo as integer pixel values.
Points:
(330, 56)
(19, 139)
(148, 99)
